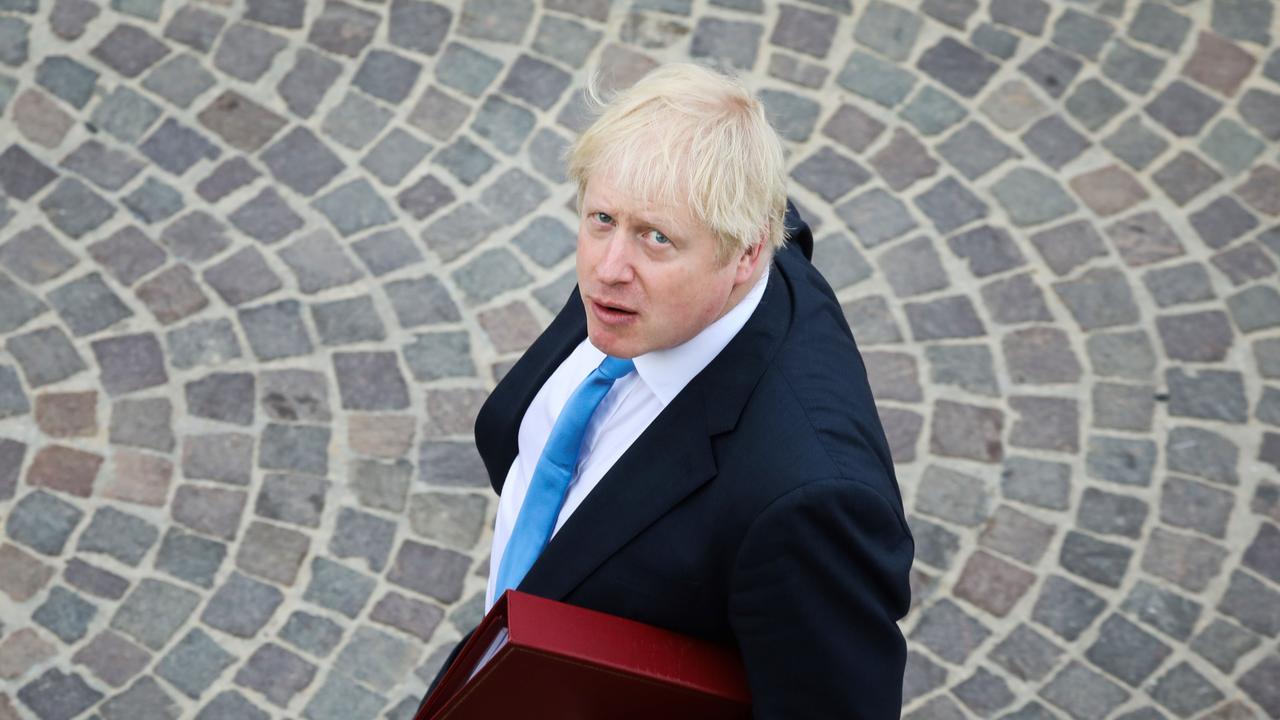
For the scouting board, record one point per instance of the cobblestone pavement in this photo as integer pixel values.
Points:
(261, 260)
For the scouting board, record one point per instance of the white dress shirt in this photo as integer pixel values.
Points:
(632, 403)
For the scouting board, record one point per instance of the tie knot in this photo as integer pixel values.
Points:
(615, 368)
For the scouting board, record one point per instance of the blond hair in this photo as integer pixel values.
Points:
(685, 134)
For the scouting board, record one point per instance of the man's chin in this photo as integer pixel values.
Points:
(612, 343)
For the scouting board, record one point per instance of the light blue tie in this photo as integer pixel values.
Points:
(555, 469)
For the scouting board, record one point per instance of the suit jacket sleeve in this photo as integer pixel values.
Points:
(818, 585)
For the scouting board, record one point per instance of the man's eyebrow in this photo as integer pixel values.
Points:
(653, 219)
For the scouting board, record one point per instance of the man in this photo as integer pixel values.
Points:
(692, 442)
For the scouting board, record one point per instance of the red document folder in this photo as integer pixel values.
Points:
(538, 658)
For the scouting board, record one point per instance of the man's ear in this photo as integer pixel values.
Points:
(748, 261)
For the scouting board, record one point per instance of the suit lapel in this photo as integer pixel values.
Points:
(671, 459)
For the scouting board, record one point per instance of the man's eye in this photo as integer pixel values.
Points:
(659, 238)
(602, 217)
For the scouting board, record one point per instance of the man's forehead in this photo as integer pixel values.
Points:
(630, 199)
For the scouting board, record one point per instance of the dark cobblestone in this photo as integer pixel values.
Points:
(1096, 560)
(957, 66)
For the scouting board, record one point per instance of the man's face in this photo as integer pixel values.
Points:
(649, 275)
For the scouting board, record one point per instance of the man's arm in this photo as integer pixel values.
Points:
(817, 588)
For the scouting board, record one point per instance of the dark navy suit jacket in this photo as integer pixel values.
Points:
(759, 509)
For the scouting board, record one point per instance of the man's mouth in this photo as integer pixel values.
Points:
(614, 307)
(611, 313)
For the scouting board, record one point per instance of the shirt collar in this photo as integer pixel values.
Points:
(666, 372)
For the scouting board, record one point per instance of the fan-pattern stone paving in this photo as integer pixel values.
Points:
(261, 260)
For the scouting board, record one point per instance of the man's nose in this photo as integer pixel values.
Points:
(615, 264)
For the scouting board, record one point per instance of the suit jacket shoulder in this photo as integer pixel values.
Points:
(812, 407)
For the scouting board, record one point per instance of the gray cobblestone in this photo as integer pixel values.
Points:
(213, 511)
(190, 25)
(93, 580)
(144, 698)
(1185, 691)
(311, 633)
(913, 268)
(21, 175)
(1254, 683)
(1015, 299)
(1100, 561)
(154, 201)
(381, 485)
(194, 663)
(112, 658)
(229, 705)
(1051, 69)
(852, 128)
(35, 256)
(153, 611)
(276, 673)
(306, 83)
(364, 536)
(876, 80)
(65, 614)
(948, 631)
(1026, 654)
(75, 209)
(190, 557)
(340, 697)
(42, 522)
(876, 217)
(1258, 110)
(301, 161)
(337, 587)
(241, 606)
(1223, 643)
(513, 195)
(56, 694)
(343, 28)
(41, 119)
(1083, 693)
